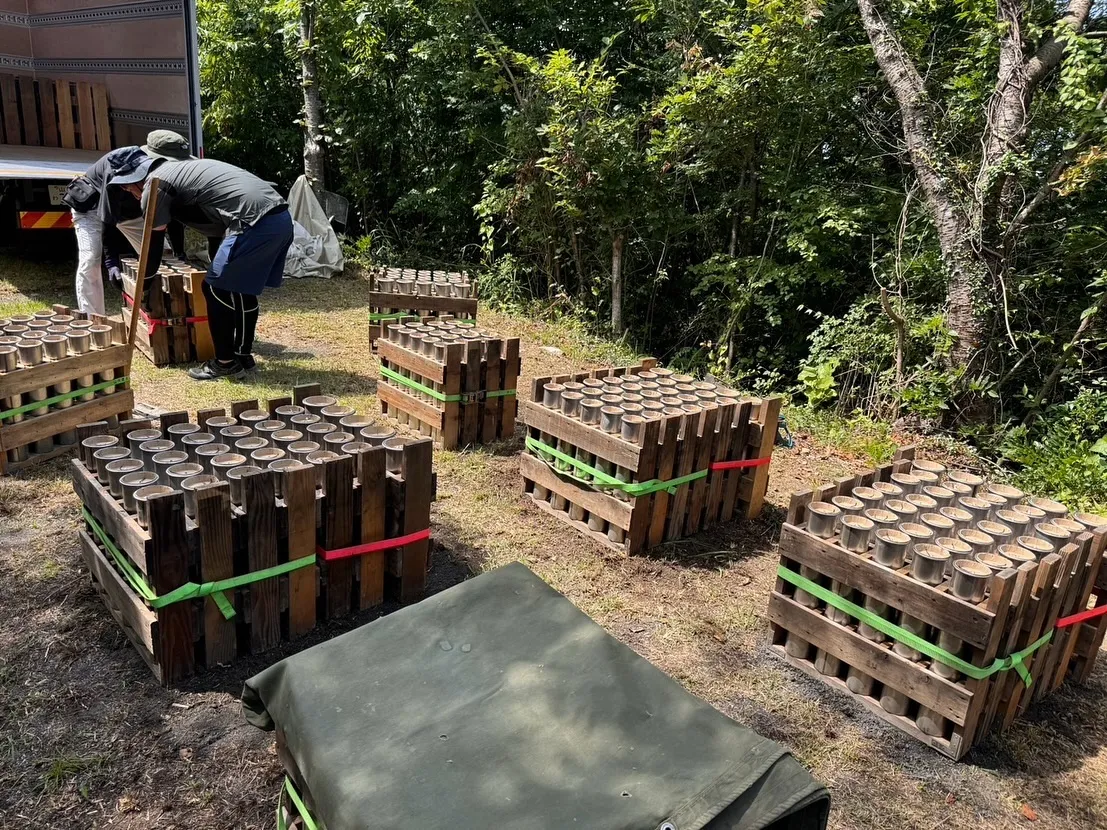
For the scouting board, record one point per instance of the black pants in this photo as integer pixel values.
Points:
(232, 318)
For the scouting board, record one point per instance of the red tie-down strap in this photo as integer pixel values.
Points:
(371, 547)
(153, 322)
(1083, 616)
(740, 465)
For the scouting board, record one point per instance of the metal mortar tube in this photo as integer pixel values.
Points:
(9, 362)
(80, 342)
(101, 339)
(611, 421)
(57, 348)
(590, 416)
(31, 354)
(570, 407)
(826, 663)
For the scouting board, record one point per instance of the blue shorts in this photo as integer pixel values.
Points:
(251, 261)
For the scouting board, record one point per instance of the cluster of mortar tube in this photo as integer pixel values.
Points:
(941, 526)
(619, 405)
(186, 456)
(414, 283)
(28, 340)
(430, 340)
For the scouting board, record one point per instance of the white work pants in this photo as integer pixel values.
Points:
(90, 251)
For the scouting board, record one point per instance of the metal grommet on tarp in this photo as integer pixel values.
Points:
(667, 826)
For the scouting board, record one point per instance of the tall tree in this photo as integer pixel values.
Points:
(314, 156)
(977, 204)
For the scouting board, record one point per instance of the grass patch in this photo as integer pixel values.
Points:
(858, 435)
(66, 767)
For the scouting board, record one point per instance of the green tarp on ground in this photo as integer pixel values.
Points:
(497, 704)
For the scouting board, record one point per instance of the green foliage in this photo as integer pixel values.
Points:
(1065, 454)
(748, 154)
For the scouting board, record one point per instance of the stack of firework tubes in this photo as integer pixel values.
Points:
(636, 456)
(58, 369)
(943, 603)
(222, 536)
(451, 381)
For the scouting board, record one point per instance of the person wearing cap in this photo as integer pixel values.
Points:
(257, 233)
(92, 209)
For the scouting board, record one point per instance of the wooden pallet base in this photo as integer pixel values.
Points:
(951, 749)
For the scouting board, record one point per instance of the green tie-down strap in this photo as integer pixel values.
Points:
(1014, 661)
(190, 590)
(438, 396)
(301, 808)
(65, 396)
(598, 478)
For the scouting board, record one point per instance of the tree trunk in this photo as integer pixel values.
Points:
(313, 104)
(617, 282)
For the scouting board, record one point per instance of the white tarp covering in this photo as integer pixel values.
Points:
(315, 250)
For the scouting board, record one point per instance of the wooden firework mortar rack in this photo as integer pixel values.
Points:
(408, 295)
(97, 361)
(359, 522)
(459, 391)
(174, 317)
(943, 708)
(103, 366)
(729, 440)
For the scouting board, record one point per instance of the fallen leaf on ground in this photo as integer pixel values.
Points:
(1028, 812)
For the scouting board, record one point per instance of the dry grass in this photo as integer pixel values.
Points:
(88, 739)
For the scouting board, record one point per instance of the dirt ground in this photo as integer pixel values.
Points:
(88, 739)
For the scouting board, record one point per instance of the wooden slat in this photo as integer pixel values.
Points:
(213, 520)
(971, 623)
(510, 404)
(768, 418)
(666, 464)
(722, 452)
(305, 390)
(120, 526)
(638, 534)
(687, 455)
(238, 407)
(48, 374)
(371, 489)
(169, 571)
(949, 699)
(181, 343)
(103, 120)
(451, 385)
(419, 364)
(12, 133)
(28, 112)
(731, 484)
(63, 420)
(171, 419)
(470, 411)
(609, 508)
(338, 532)
(86, 122)
(298, 487)
(261, 552)
(608, 447)
(137, 621)
(410, 404)
(492, 372)
(1042, 593)
(697, 490)
(66, 129)
(49, 113)
(201, 332)
(417, 499)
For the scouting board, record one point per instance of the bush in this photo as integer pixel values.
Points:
(1064, 455)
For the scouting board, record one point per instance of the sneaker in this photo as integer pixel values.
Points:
(213, 370)
(248, 362)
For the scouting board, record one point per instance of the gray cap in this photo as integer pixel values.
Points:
(136, 174)
(167, 144)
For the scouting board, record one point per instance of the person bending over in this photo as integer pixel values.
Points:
(257, 233)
